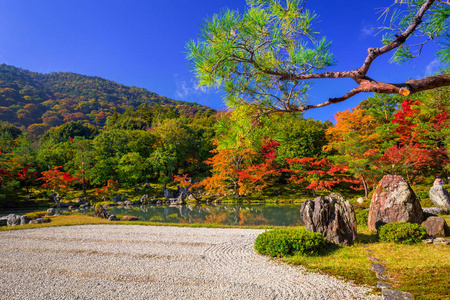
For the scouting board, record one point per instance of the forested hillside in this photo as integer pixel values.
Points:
(41, 101)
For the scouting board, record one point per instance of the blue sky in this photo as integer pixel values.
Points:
(142, 43)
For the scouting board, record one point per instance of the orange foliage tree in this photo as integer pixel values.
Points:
(226, 165)
(357, 143)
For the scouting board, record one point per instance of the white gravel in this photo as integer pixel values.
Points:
(146, 262)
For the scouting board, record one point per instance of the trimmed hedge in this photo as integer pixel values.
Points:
(402, 233)
(289, 241)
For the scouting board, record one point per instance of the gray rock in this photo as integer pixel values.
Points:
(390, 294)
(331, 215)
(37, 221)
(143, 198)
(377, 268)
(180, 199)
(435, 210)
(441, 241)
(360, 200)
(436, 241)
(51, 211)
(24, 220)
(100, 211)
(393, 201)
(13, 220)
(116, 198)
(436, 227)
(168, 193)
(112, 218)
(384, 285)
(439, 196)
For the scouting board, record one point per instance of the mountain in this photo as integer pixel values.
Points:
(40, 101)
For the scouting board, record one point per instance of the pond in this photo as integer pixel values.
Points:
(235, 214)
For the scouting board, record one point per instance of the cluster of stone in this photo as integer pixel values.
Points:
(14, 220)
(393, 201)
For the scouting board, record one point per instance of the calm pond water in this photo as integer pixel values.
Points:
(233, 214)
(236, 214)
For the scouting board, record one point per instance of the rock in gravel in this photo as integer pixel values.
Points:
(439, 196)
(436, 227)
(393, 201)
(331, 215)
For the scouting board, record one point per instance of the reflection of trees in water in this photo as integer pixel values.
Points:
(217, 214)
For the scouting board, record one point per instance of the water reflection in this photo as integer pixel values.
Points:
(238, 214)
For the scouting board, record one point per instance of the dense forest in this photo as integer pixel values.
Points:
(230, 153)
(40, 101)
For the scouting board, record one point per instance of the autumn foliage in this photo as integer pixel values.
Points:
(317, 174)
(57, 180)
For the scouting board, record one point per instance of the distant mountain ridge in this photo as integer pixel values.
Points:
(46, 100)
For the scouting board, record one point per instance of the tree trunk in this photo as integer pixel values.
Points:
(366, 188)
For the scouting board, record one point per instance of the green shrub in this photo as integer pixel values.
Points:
(422, 195)
(362, 217)
(402, 233)
(289, 241)
(426, 202)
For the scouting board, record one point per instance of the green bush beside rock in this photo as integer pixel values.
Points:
(289, 241)
(402, 233)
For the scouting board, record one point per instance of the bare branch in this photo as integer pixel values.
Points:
(370, 85)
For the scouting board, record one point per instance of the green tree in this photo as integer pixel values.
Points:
(268, 55)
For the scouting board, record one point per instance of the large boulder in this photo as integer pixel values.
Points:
(331, 215)
(13, 220)
(436, 227)
(100, 212)
(393, 201)
(439, 196)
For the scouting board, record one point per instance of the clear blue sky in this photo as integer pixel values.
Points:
(142, 43)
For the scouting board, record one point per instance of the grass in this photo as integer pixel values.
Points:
(422, 270)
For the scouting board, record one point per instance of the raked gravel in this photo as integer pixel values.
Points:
(147, 262)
